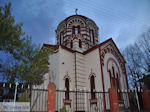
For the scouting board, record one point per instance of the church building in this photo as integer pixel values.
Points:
(80, 63)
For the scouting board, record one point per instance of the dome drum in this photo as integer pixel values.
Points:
(77, 33)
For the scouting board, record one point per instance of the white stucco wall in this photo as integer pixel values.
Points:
(62, 64)
(54, 68)
(92, 61)
(66, 62)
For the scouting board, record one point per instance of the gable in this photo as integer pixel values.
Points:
(110, 47)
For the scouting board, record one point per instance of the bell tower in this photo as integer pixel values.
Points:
(78, 33)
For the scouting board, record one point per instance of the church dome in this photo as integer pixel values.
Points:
(76, 16)
(77, 32)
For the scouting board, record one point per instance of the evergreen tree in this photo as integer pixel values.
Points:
(30, 62)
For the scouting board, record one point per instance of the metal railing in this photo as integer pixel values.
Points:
(131, 101)
(80, 101)
(70, 101)
(35, 97)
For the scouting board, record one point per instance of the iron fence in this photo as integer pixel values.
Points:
(35, 97)
(131, 101)
(81, 101)
(71, 101)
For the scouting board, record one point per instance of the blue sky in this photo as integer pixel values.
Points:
(123, 20)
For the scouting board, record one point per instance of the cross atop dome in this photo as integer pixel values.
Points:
(76, 10)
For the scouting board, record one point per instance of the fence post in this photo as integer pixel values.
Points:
(51, 97)
(113, 97)
(146, 99)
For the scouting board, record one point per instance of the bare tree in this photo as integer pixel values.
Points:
(137, 57)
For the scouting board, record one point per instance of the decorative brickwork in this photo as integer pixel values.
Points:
(110, 49)
(79, 30)
(51, 97)
(113, 97)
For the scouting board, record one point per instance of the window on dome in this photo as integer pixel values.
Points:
(73, 29)
(92, 36)
(78, 29)
(61, 38)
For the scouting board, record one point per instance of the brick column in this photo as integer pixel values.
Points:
(146, 99)
(51, 97)
(113, 98)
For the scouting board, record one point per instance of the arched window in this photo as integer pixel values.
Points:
(92, 36)
(78, 29)
(61, 38)
(71, 44)
(118, 81)
(113, 78)
(92, 81)
(118, 86)
(80, 43)
(113, 70)
(67, 88)
(73, 29)
(110, 75)
(115, 81)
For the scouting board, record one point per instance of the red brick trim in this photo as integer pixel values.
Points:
(111, 59)
(109, 49)
(102, 78)
(92, 74)
(67, 76)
